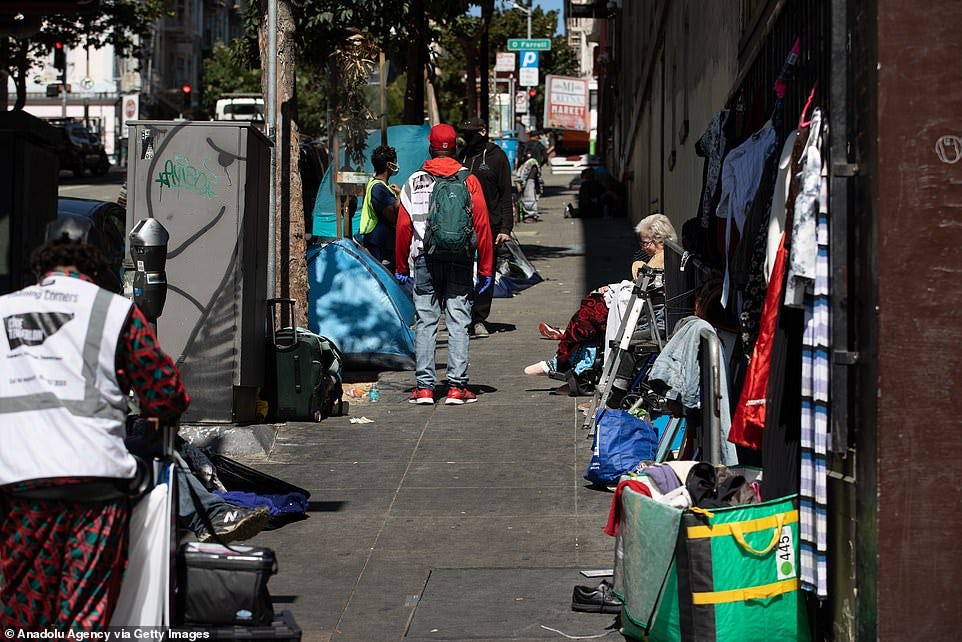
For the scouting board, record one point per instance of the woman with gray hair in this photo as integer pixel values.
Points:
(653, 231)
(588, 324)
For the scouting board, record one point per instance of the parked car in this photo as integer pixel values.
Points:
(81, 150)
(110, 221)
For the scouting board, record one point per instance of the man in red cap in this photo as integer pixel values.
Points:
(428, 246)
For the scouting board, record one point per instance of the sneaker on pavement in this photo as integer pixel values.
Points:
(478, 330)
(541, 368)
(422, 396)
(236, 524)
(550, 332)
(458, 396)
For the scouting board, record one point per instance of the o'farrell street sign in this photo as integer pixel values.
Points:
(525, 44)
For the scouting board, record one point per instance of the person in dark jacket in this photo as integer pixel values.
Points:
(489, 164)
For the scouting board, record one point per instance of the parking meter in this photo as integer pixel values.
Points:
(148, 251)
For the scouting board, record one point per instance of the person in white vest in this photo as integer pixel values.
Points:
(70, 351)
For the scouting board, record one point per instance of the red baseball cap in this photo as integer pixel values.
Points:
(443, 137)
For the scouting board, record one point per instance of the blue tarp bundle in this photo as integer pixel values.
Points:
(411, 143)
(356, 302)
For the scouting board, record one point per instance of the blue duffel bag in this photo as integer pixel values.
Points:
(621, 442)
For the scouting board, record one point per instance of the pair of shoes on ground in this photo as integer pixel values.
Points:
(478, 330)
(456, 396)
(550, 332)
(236, 524)
(595, 599)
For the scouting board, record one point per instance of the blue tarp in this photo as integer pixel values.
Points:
(356, 302)
(411, 143)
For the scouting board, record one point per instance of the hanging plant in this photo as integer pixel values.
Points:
(353, 63)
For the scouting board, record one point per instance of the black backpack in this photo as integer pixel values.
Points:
(449, 233)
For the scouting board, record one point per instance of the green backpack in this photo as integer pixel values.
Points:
(449, 233)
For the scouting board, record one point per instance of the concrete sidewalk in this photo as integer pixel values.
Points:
(458, 522)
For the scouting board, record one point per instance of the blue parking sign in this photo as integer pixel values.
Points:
(529, 59)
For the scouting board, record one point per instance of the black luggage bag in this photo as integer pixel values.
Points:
(217, 585)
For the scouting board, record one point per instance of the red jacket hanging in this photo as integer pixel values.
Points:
(749, 419)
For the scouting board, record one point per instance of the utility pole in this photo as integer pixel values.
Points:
(270, 128)
(525, 10)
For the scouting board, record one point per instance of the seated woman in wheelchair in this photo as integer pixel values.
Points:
(578, 342)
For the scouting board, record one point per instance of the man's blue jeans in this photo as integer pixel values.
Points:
(437, 286)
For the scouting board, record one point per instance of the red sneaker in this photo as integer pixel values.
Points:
(458, 396)
(549, 332)
(422, 396)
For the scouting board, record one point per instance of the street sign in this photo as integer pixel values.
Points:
(528, 77)
(504, 61)
(131, 107)
(529, 59)
(566, 103)
(521, 102)
(526, 44)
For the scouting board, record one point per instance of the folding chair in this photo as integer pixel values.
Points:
(640, 302)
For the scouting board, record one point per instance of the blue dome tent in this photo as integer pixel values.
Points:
(356, 302)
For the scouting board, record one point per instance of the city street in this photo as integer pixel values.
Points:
(99, 188)
(458, 522)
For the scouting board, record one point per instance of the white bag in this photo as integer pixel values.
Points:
(145, 593)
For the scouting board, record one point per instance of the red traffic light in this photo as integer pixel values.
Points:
(532, 92)
(59, 58)
(186, 89)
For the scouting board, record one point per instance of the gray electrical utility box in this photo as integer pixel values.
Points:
(207, 183)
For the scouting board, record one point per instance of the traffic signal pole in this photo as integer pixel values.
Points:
(60, 63)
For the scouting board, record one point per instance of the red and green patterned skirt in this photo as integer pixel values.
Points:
(62, 562)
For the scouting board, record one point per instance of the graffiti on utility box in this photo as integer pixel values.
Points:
(180, 174)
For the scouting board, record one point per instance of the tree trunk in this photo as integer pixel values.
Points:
(291, 249)
(417, 59)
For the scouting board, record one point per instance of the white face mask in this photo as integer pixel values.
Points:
(392, 169)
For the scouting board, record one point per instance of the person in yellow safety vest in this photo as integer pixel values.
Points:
(379, 211)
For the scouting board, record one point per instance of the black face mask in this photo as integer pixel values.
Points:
(474, 140)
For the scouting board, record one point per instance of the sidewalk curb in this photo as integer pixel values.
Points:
(231, 440)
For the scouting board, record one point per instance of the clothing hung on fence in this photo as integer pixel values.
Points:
(678, 367)
(815, 411)
(748, 420)
(776, 218)
(712, 146)
(801, 265)
(741, 176)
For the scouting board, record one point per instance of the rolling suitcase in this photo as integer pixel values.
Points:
(304, 369)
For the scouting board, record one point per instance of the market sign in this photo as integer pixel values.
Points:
(566, 103)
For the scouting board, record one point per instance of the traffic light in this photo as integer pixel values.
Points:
(185, 91)
(60, 58)
(533, 93)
